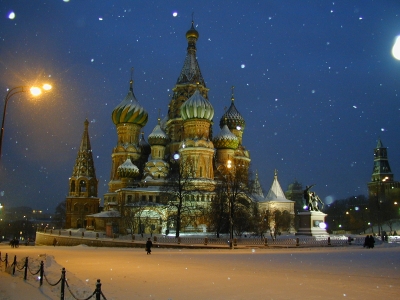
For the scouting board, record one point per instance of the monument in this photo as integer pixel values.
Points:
(312, 221)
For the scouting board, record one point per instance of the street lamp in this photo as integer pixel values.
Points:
(34, 90)
(230, 202)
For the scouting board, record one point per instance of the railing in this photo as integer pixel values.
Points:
(97, 239)
(15, 266)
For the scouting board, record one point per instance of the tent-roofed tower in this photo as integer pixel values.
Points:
(382, 183)
(190, 79)
(82, 197)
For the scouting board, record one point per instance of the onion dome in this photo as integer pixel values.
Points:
(197, 107)
(144, 146)
(127, 169)
(232, 118)
(158, 136)
(130, 111)
(225, 139)
(192, 33)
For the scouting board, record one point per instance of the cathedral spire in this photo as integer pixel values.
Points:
(191, 71)
(84, 165)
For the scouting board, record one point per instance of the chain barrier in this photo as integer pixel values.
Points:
(34, 273)
(45, 277)
(97, 292)
(69, 289)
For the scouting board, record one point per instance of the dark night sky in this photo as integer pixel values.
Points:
(314, 80)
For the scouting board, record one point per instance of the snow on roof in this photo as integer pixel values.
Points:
(276, 193)
(106, 214)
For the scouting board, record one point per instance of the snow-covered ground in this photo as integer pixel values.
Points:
(254, 273)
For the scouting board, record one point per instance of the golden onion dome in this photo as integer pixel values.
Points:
(192, 33)
(130, 111)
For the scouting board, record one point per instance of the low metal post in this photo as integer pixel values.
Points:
(62, 284)
(59, 232)
(6, 260)
(83, 234)
(98, 289)
(265, 242)
(133, 237)
(235, 242)
(41, 272)
(14, 264)
(205, 240)
(155, 239)
(70, 233)
(97, 235)
(329, 240)
(26, 268)
(297, 242)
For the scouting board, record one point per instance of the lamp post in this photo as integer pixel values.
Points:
(230, 202)
(35, 91)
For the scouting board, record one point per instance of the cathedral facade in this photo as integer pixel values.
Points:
(140, 169)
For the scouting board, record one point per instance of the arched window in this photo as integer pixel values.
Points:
(82, 186)
(72, 186)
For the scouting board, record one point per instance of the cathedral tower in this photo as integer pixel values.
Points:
(129, 117)
(82, 197)
(189, 80)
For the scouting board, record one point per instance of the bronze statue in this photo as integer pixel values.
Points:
(312, 199)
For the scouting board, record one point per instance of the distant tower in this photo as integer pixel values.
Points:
(382, 183)
(82, 197)
(295, 193)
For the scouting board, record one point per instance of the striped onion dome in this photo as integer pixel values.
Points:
(225, 139)
(130, 111)
(127, 169)
(158, 136)
(197, 107)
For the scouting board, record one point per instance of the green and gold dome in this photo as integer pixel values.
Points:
(225, 139)
(128, 169)
(130, 111)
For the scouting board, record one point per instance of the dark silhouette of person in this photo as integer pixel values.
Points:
(54, 242)
(149, 244)
(371, 241)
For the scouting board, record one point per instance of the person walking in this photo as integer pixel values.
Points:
(149, 244)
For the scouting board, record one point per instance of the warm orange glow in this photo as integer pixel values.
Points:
(35, 91)
(47, 87)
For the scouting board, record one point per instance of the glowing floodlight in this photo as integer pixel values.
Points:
(396, 48)
(322, 225)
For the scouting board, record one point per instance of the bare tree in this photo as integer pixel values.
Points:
(178, 194)
(217, 213)
(233, 181)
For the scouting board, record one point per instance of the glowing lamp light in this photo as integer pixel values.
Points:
(396, 48)
(229, 164)
(176, 156)
(322, 225)
(305, 207)
(47, 87)
(35, 91)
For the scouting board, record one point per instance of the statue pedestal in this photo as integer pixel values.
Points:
(309, 223)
